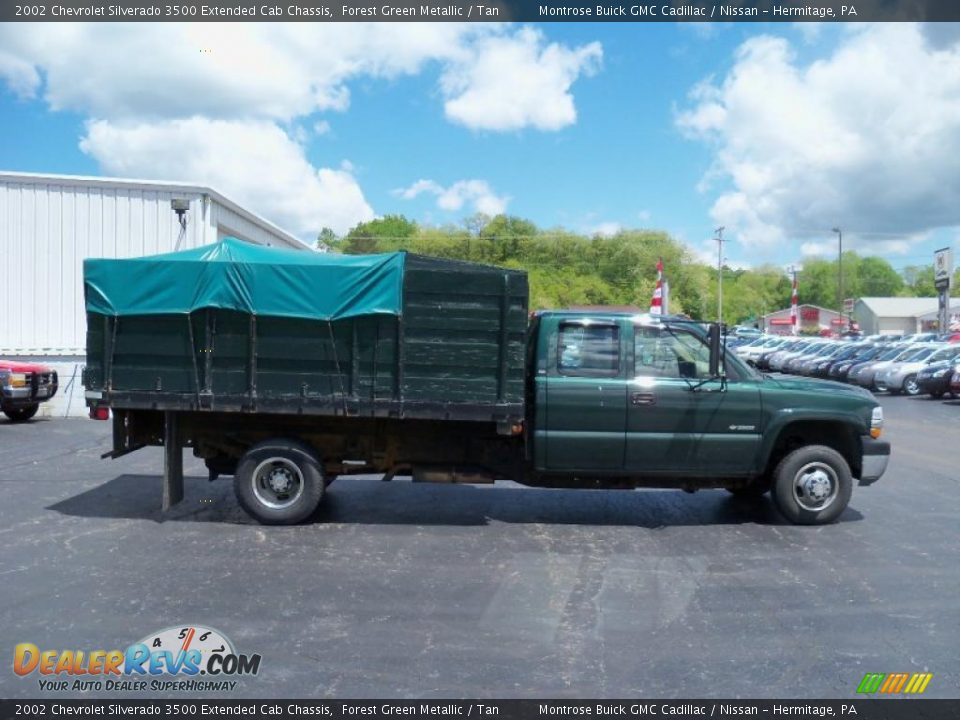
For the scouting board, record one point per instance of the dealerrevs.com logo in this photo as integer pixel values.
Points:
(186, 658)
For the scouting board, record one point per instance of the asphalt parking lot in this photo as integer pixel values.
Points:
(404, 590)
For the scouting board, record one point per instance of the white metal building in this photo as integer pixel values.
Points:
(897, 315)
(50, 223)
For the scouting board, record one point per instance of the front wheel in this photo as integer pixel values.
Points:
(910, 385)
(279, 482)
(812, 485)
(21, 414)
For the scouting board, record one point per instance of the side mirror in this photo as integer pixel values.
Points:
(713, 338)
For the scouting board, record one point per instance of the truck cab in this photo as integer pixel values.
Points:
(23, 386)
(640, 400)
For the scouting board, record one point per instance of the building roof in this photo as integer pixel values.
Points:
(901, 306)
(160, 185)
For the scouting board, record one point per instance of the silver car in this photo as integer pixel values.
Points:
(901, 376)
(864, 374)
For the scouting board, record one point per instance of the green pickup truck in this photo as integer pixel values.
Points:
(289, 370)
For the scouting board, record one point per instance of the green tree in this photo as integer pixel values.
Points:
(390, 232)
(326, 238)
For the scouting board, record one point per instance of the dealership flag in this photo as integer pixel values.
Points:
(656, 304)
(793, 306)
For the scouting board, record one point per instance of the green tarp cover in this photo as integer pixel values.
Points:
(236, 275)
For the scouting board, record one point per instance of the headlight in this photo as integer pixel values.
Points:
(876, 422)
(941, 373)
(16, 380)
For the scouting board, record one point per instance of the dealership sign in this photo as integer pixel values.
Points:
(942, 268)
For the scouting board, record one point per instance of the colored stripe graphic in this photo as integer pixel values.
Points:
(871, 682)
(893, 683)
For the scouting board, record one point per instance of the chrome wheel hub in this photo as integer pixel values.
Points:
(278, 483)
(816, 486)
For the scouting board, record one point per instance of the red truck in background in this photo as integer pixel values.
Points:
(23, 386)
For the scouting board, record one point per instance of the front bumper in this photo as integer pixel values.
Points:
(38, 389)
(876, 455)
(930, 384)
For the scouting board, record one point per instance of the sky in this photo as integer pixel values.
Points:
(777, 132)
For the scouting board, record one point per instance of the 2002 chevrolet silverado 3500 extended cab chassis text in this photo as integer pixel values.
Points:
(290, 369)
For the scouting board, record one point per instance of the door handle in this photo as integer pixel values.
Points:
(642, 398)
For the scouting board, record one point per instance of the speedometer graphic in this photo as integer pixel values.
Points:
(184, 638)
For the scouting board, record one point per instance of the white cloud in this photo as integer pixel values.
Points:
(20, 75)
(508, 82)
(606, 229)
(145, 85)
(493, 76)
(476, 193)
(866, 138)
(275, 70)
(253, 162)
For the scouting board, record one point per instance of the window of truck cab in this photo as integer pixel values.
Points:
(588, 349)
(676, 353)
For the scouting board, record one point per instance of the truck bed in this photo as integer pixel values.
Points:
(455, 351)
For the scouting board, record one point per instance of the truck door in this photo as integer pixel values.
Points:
(672, 428)
(585, 411)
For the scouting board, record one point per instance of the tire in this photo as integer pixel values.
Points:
(816, 465)
(757, 488)
(910, 386)
(937, 394)
(279, 482)
(21, 414)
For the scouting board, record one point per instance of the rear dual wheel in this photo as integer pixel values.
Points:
(279, 482)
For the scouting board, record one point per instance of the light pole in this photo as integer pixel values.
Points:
(719, 240)
(840, 274)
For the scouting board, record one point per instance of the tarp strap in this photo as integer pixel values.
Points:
(193, 357)
(336, 362)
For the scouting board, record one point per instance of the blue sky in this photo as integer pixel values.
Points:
(778, 132)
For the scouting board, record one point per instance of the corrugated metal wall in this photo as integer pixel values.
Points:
(48, 228)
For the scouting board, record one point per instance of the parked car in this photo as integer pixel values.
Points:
(934, 379)
(752, 350)
(842, 367)
(901, 376)
(864, 373)
(821, 368)
(762, 360)
(780, 359)
(955, 382)
(921, 337)
(23, 386)
(801, 365)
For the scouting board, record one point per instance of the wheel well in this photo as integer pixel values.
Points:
(834, 434)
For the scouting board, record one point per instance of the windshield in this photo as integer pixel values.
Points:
(845, 353)
(867, 353)
(915, 355)
(891, 353)
(945, 354)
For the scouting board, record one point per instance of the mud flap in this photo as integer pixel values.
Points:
(172, 460)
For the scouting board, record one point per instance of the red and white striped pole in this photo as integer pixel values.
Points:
(656, 304)
(793, 304)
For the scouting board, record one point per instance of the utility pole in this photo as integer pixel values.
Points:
(719, 239)
(840, 274)
(794, 309)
